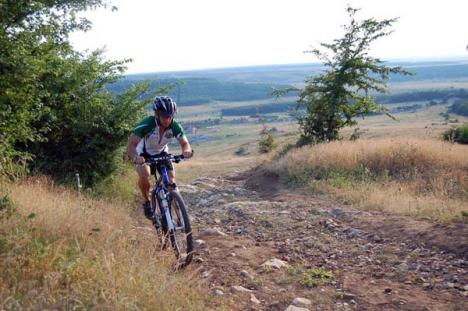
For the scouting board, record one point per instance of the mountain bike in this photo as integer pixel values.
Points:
(170, 217)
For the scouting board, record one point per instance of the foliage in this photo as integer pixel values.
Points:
(267, 141)
(459, 107)
(457, 134)
(86, 124)
(31, 34)
(333, 99)
(54, 106)
(7, 207)
(311, 277)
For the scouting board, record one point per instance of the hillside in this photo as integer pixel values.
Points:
(61, 250)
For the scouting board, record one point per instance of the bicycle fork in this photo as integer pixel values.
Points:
(165, 208)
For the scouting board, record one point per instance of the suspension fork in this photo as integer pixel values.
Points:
(165, 209)
(164, 200)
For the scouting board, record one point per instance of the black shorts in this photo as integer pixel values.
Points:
(166, 163)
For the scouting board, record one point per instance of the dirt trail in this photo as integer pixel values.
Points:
(337, 257)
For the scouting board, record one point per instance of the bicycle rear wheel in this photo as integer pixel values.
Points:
(181, 236)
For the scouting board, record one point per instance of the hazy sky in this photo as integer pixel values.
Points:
(166, 35)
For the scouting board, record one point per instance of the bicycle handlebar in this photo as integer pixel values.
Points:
(160, 158)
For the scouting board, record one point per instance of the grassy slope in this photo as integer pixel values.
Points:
(59, 250)
(424, 184)
(422, 178)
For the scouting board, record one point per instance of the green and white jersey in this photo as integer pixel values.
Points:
(152, 143)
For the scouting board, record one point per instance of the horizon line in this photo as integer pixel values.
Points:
(403, 59)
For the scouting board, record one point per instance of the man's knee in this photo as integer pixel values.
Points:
(143, 171)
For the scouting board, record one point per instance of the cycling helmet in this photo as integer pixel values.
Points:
(164, 106)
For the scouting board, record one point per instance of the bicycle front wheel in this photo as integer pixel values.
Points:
(181, 235)
(159, 222)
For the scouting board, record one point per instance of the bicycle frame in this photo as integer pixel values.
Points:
(160, 191)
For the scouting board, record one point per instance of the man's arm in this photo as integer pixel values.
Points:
(133, 141)
(185, 146)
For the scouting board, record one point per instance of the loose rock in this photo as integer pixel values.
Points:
(246, 274)
(241, 289)
(199, 244)
(254, 299)
(301, 302)
(294, 308)
(212, 232)
(218, 292)
(275, 263)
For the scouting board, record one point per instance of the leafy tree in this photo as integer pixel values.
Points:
(83, 124)
(31, 33)
(55, 109)
(333, 99)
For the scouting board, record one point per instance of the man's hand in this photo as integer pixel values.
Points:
(187, 154)
(139, 160)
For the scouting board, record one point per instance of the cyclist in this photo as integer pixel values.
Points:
(150, 137)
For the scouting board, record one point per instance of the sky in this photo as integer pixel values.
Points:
(163, 35)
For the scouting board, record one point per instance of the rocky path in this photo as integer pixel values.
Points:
(274, 250)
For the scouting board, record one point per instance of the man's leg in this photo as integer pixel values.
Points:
(144, 173)
(171, 175)
(143, 180)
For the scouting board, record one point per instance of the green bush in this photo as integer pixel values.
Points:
(56, 113)
(267, 141)
(242, 151)
(457, 134)
(85, 123)
(7, 207)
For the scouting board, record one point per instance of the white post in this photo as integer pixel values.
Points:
(78, 183)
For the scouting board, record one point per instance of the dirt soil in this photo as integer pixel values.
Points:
(337, 257)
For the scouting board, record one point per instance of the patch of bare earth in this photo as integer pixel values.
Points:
(377, 261)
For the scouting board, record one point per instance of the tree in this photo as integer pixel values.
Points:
(333, 99)
(56, 112)
(32, 33)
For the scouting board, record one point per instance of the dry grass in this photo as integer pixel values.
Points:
(62, 251)
(426, 178)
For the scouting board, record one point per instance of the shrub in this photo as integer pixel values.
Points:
(242, 151)
(267, 141)
(7, 207)
(457, 134)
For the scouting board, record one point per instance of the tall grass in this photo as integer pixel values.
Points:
(62, 251)
(426, 178)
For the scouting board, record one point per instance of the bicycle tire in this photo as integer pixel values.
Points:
(178, 212)
(161, 231)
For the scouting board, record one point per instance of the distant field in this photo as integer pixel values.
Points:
(246, 84)
(397, 87)
(213, 110)
(217, 156)
(424, 123)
